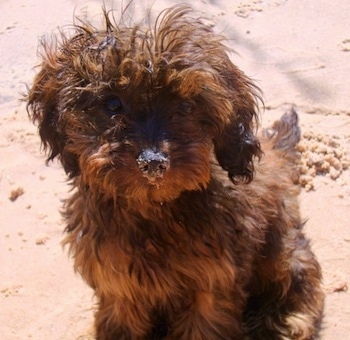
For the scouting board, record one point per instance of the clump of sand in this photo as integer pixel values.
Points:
(320, 155)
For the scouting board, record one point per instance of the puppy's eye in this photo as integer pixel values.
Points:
(113, 106)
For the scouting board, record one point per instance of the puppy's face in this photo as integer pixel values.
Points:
(139, 114)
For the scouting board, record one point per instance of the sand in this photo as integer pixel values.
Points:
(298, 52)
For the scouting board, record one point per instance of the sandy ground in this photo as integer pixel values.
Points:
(298, 52)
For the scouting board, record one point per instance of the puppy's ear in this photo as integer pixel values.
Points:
(237, 146)
(43, 109)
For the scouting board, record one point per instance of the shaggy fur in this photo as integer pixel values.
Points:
(178, 221)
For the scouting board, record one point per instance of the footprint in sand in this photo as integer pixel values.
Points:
(345, 45)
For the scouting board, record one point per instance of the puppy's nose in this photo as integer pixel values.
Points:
(153, 163)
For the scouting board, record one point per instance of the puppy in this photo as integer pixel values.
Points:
(178, 220)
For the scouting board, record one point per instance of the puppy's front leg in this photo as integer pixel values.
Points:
(121, 320)
(209, 316)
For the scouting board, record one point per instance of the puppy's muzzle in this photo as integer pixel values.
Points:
(153, 163)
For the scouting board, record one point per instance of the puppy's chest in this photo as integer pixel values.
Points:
(165, 258)
(165, 246)
(179, 247)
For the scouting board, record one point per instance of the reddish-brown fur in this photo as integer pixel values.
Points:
(210, 244)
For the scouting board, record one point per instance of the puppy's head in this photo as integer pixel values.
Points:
(140, 113)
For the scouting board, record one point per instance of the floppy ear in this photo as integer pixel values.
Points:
(237, 146)
(43, 109)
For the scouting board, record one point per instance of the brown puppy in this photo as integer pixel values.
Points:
(178, 221)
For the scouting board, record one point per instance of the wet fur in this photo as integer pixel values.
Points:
(214, 248)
